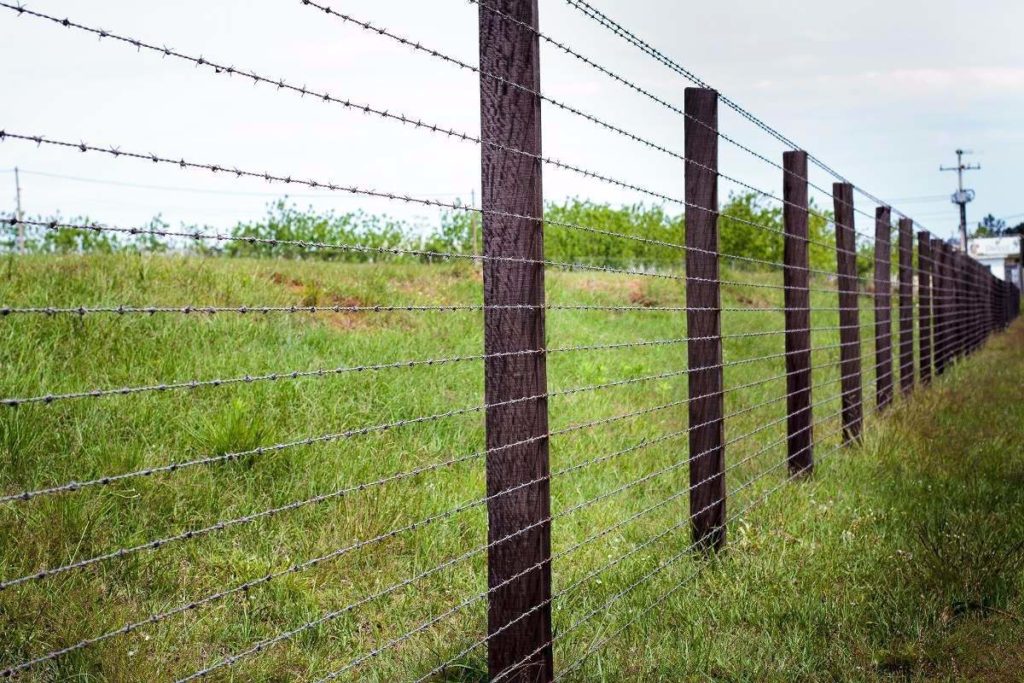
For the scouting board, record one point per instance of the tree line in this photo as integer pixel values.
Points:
(750, 227)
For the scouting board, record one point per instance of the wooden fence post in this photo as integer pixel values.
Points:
(966, 308)
(977, 305)
(906, 261)
(511, 185)
(796, 278)
(949, 287)
(956, 264)
(960, 269)
(703, 321)
(924, 306)
(849, 315)
(883, 307)
(972, 304)
(940, 304)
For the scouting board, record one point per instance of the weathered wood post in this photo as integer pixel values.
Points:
(941, 305)
(956, 282)
(704, 321)
(511, 183)
(796, 279)
(906, 265)
(924, 311)
(849, 315)
(883, 307)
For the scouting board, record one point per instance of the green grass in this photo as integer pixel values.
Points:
(888, 563)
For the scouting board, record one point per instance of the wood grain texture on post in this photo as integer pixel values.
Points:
(906, 275)
(849, 315)
(940, 304)
(511, 184)
(883, 307)
(924, 306)
(959, 281)
(796, 279)
(704, 321)
(979, 298)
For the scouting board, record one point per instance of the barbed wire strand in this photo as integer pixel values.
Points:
(296, 568)
(158, 617)
(757, 501)
(325, 372)
(321, 372)
(191, 534)
(733, 517)
(385, 114)
(262, 645)
(661, 566)
(588, 10)
(376, 652)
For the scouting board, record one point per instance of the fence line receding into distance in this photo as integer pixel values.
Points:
(835, 370)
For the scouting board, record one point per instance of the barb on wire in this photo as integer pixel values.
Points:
(419, 47)
(281, 84)
(664, 596)
(616, 28)
(327, 438)
(262, 645)
(351, 247)
(325, 372)
(296, 568)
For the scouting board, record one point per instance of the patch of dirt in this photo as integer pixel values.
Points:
(279, 279)
(745, 299)
(595, 285)
(313, 294)
(639, 295)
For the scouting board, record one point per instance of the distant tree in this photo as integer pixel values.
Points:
(1015, 230)
(990, 226)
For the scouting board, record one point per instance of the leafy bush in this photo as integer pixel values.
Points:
(750, 227)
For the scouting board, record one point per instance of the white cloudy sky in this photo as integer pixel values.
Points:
(882, 91)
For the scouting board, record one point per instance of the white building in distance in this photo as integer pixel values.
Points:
(1001, 254)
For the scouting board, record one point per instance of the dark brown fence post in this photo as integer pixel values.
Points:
(956, 262)
(977, 305)
(796, 277)
(849, 315)
(1004, 300)
(883, 307)
(965, 302)
(972, 304)
(906, 261)
(956, 329)
(511, 183)
(704, 321)
(966, 309)
(924, 306)
(940, 304)
(949, 287)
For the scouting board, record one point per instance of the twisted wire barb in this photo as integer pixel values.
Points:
(325, 372)
(281, 84)
(299, 567)
(326, 438)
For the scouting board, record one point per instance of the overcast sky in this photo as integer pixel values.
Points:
(882, 91)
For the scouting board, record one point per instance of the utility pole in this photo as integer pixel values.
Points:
(962, 196)
(20, 240)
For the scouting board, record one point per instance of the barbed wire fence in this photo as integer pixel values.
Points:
(724, 431)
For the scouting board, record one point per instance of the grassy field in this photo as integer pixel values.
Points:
(900, 559)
